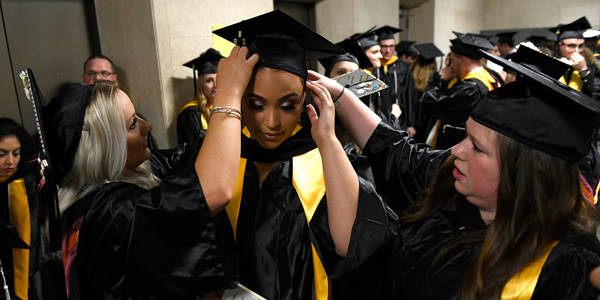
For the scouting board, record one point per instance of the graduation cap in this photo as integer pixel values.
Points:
(591, 34)
(540, 62)
(206, 63)
(281, 41)
(468, 44)
(539, 111)
(386, 32)
(354, 53)
(55, 156)
(428, 52)
(538, 38)
(572, 30)
(361, 83)
(506, 37)
(366, 39)
(404, 47)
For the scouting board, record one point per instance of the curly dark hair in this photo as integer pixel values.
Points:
(8, 127)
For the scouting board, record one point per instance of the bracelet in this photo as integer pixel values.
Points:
(232, 111)
(340, 96)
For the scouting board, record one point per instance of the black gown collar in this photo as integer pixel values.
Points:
(469, 213)
(299, 143)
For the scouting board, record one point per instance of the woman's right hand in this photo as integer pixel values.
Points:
(234, 72)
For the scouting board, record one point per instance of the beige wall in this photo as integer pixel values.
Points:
(339, 19)
(476, 15)
(183, 31)
(149, 40)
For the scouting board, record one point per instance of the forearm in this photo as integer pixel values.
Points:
(342, 188)
(358, 119)
(219, 157)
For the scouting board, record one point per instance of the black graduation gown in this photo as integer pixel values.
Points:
(149, 244)
(402, 90)
(43, 270)
(189, 126)
(402, 168)
(564, 275)
(274, 238)
(452, 106)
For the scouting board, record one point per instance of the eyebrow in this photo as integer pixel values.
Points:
(280, 99)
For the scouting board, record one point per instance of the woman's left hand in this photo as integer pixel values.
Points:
(323, 125)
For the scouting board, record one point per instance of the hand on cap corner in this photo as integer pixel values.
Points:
(235, 72)
(331, 85)
(322, 125)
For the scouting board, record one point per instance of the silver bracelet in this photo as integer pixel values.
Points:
(228, 110)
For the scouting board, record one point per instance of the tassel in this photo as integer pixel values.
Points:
(5, 287)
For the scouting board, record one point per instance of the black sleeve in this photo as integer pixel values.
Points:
(189, 126)
(173, 161)
(374, 227)
(402, 168)
(451, 103)
(157, 242)
(591, 82)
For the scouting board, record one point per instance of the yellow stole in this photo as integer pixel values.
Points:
(522, 285)
(309, 182)
(386, 63)
(20, 218)
(202, 118)
(575, 82)
(483, 76)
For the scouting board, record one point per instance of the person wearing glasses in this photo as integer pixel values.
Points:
(98, 67)
(583, 76)
(398, 75)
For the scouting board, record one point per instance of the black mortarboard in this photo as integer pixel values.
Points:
(386, 32)
(572, 30)
(281, 41)
(428, 51)
(58, 148)
(506, 37)
(404, 47)
(354, 53)
(540, 62)
(206, 63)
(469, 45)
(538, 38)
(366, 39)
(539, 111)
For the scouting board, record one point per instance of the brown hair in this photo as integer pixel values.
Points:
(202, 98)
(539, 202)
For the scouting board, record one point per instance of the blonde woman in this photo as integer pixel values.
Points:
(125, 233)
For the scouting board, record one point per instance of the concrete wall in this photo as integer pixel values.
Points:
(339, 19)
(149, 40)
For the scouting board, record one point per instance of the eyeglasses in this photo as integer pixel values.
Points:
(103, 74)
(574, 46)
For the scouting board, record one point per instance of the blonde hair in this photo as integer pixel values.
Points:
(422, 73)
(102, 152)
(202, 98)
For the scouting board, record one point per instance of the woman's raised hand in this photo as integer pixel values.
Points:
(331, 85)
(235, 72)
(323, 125)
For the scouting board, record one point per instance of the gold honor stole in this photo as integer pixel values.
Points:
(522, 285)
(575, 82)
(388, 62)
(20, 218)
(202, 118)
(309, 183)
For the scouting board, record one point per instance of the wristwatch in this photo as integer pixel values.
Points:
(584, 72)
